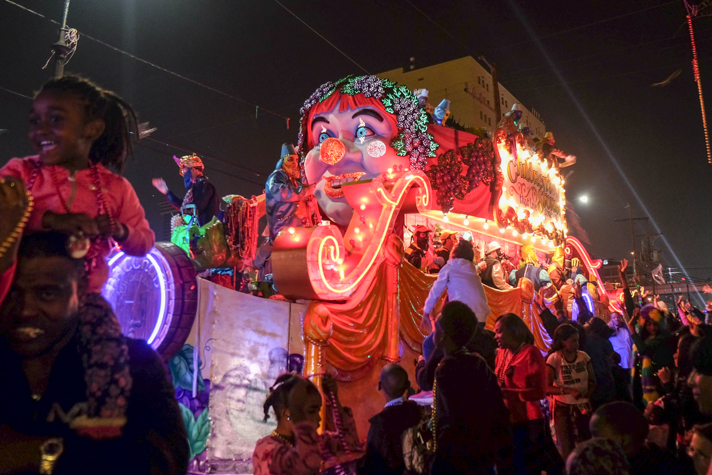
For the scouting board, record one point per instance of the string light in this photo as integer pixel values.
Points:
(445, 218)
(486, 225)
(466, 221)
(696, 70)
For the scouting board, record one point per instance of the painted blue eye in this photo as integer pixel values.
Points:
(363, 131)
(323, 136)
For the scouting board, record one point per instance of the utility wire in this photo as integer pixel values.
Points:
(167, 71)
(606, 20)
(322, 37)
(15, 93)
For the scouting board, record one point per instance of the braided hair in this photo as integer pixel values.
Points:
(278, 396)
(114, 145)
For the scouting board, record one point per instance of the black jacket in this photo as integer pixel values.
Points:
(384, 446)
(473, 427)
(205, 199)
(154, 439)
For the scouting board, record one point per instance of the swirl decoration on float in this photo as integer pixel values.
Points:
(336, 265)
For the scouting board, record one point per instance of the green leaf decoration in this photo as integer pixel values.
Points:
(199, 437)
(181, 366)
(189, 422)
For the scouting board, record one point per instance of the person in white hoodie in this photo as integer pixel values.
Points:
(460, 277)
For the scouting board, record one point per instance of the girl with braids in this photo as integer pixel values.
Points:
(81, 134)
(294, 447)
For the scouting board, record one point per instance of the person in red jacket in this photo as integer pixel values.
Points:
(521, 373)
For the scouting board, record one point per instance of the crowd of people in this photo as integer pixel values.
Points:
(630, 395)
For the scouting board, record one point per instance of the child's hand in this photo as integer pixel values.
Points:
(664, 375)
(71, 223)
(118, 231)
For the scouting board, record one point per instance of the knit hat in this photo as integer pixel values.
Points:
(648, 313)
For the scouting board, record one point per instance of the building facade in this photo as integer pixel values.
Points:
(468, 87)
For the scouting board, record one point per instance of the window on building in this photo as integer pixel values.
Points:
(489, 121)
(479, 79)
(488, 102)
(480, 115)
(506, 104)
(487, 86)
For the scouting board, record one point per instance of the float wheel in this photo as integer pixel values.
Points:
(155, 297)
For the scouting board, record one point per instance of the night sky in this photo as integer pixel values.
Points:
(587, 66)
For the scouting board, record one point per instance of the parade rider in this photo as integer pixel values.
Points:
(201, 192)
(448, 241)
(419, 253)
(531, 270)
(284, 191)
(551, 154)
(493, 275)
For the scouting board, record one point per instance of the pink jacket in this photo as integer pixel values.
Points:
(119, 197)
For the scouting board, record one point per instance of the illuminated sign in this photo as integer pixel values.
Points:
(141, 291)
(533, 197)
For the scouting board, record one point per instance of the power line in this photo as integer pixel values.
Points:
(155, 149)
(606, 20)
(322, 37)
(167, 71)
(15, 93)
(518, 76)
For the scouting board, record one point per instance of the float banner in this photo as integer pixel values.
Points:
(251, 339)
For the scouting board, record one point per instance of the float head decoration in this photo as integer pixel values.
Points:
(529, 254)
(356, 129)
(188, 161)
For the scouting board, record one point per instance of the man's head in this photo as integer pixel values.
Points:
(421, 235)
(493, 249)
(40, 313)
(701, 377)
(621, 422)
(191, 167)
(455, 327)
(449, 239)
(393, 381)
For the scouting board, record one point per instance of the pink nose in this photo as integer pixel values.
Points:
(332, 150)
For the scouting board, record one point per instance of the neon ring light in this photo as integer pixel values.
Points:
(147, 295)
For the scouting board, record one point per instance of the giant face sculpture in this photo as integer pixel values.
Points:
(349, 134)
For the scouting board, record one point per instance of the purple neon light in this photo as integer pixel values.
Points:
(162, 288)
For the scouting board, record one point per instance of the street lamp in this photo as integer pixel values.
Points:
(583, 199)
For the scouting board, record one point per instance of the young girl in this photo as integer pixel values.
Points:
(571, 382)
(294, 447)
(80, 132)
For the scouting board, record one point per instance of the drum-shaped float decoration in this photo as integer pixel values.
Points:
(155, 297)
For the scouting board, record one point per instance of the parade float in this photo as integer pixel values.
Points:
(379, 163)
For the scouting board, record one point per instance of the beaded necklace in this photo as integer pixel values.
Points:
(502, 370)
(282, 438)
(102, 208)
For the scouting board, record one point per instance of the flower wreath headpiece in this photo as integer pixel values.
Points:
(413, 139)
